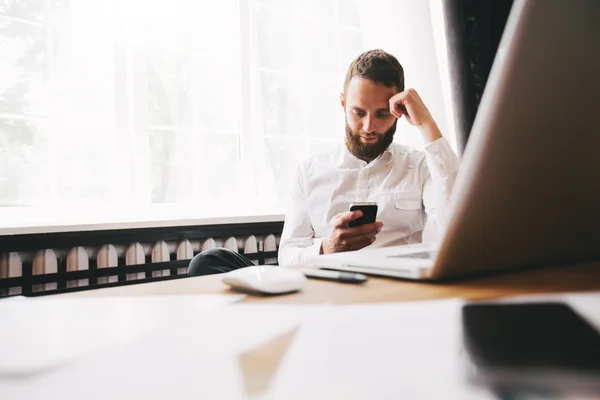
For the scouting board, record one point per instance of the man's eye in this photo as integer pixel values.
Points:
(359, 114)
(383, 115)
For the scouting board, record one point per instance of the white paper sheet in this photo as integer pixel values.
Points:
(198, 359)
(165, 364)
(40, 333)
(405, 350)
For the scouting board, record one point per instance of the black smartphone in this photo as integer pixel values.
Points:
(369, 211)
(531, 347)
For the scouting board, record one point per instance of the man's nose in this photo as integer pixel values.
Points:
(369, 124)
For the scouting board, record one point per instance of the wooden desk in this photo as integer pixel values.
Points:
(582, 277)
(260, 365)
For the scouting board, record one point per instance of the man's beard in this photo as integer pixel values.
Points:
(369, 151)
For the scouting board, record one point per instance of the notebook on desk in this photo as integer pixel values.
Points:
(526, 194)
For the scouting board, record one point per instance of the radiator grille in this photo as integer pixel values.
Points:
(73, 263)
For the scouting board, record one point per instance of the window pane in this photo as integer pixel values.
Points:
(348, 13)
(28, 10)
(216, 171)
(23, 163)
(216, 93)
(316, 48)
(284, 157)
(283, 105)
(325, 114)
(23, 67)
(275, 39)
(58, 9)
(315, 8)
(170, 90)
(297, 45)
(201, 167)
(169, 170)
(351, 43)
(90, 162)
(194, 82)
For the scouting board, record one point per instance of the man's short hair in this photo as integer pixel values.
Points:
(377, 66)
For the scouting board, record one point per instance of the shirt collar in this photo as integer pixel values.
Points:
(349, 159)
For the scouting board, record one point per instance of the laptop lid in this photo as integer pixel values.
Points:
(528, 190)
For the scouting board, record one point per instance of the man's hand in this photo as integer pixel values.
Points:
(344, 238)
(409, 104)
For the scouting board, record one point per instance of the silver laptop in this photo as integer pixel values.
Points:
(528, 192)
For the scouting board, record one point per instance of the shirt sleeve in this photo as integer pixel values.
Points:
(439, 172)
(297, 244)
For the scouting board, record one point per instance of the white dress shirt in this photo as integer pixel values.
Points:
(408, 185)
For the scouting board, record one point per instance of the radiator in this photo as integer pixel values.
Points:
(62, 269)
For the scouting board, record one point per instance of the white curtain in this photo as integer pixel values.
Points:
(202, 107)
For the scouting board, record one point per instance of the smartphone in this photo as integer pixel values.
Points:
(369, 211)
(531, 347)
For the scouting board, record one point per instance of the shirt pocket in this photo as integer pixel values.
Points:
(403, 213)
(407, 205)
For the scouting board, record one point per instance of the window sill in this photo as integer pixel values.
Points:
(35, 221)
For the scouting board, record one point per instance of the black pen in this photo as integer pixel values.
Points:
(340, 276)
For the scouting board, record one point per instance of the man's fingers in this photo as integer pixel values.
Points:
(405, 103)
(343, 219)
(348, 243)
(361, 230)
(360, 244)
(398, 112)
(397, 107)
(351, 241)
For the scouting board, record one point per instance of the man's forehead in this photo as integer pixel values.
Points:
(366, 93)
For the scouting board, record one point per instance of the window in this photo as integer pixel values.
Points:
(196, 106)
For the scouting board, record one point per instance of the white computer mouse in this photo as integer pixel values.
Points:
(270, 279)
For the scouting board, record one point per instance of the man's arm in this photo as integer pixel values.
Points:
(438, 173)
(441, 167)
(410, 105)
(297, 243)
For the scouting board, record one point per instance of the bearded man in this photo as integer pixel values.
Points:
(409, 186)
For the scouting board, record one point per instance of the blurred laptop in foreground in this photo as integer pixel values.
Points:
(526, 194)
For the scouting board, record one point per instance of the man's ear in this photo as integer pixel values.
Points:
(342, 100)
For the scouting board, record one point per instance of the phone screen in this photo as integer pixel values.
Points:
(535, 344)
(369, 216)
